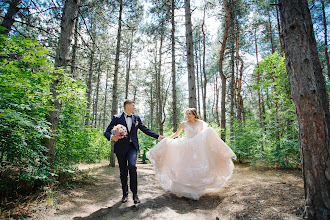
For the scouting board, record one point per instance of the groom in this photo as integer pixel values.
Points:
(126, 149)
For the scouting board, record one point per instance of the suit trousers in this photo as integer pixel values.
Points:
(127, 165)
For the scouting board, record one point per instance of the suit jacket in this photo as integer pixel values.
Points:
(122, 145)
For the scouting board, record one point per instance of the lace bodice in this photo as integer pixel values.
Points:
(192, 130)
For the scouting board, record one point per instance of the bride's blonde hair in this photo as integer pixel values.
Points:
(193, 111)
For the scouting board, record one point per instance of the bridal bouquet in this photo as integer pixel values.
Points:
(120, 131)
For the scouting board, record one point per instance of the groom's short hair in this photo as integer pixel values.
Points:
(128, 102)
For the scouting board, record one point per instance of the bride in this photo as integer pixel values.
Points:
(192, 166)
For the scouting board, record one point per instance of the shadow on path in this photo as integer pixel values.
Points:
(157, 205)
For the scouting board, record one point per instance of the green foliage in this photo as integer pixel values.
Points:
(24, 93)
(275, 142)
(146, 143)
(25, 78)
(76, 145)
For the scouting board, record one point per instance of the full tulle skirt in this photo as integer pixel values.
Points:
(192, 167)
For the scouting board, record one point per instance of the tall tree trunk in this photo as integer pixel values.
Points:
(222, 75)
(97, 92)
(271, 33)
(151, 105)
(70, 12)
(240, 109)
(159, 84)
(190, 56)
(197, 79)
(89, 85)
(280, 35)
(9, 18)
(156, 86)
(174, 98)
(217, 101)
(325, 39)
(203, 68)
(232, 81)
(128, 69)
(312, 105)
(105, 99)
(258, 80)
(114, 109)
(74, 49)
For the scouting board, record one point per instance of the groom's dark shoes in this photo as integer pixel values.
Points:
(136, 199)
(124, 199)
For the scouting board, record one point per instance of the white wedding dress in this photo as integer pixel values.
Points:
(195, 165)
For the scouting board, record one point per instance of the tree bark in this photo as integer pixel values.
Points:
(105, 99)
(240, 108)
(203, 68)
(217, 101)
(258, 80)
(232, 80)
(174, 98)
(159, 84)
(89, 85)
(308, 92)
(9, 18)
(222, 75)
(74, 49)
(197, 79)
(70, 13)
(280, 36)
(129, 64)
(97, 92)
(271, 33)
(325, 39)
(114, 109)
(190, 56)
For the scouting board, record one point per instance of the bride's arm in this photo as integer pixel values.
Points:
(174, 135)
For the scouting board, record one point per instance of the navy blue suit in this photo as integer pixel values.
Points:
(126, 149)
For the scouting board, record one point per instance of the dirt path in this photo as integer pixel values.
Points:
(247, 195)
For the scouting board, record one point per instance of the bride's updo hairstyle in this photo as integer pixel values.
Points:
(193, 111)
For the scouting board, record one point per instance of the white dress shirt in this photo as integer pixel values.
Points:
(128, 121)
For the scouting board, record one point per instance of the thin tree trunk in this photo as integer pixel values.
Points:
(232, 81)
(258, 79)
(280, 36)
(312, 105)
(114, 109)
(151, 105)
(89, 86)
(9, 18)
(325, 39)
(105, 99)
(70, 12)
(271, 33)
(204, 72)
(222, 75)
(240, 109)
(97, 92)
(129, 65)
(217, 101)
(159, 84)
(174, 98)
(74, 49)
(156, 86)
(190, 56)
(197, 80)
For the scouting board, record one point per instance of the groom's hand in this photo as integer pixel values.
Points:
(161, 137)
(114, 138)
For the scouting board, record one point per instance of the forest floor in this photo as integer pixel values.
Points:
(248, 194)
